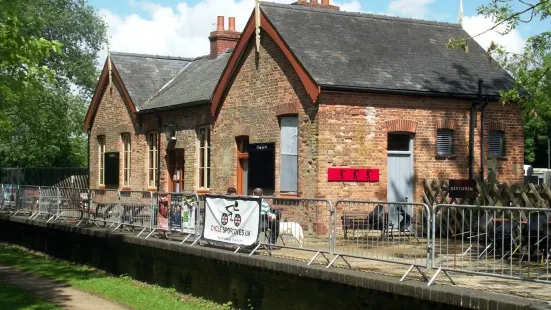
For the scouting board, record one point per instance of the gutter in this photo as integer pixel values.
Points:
(177, 106)
(159, 124)
(482, 140)
(355, 89)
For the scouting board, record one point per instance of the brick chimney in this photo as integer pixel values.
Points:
(316, 4)
(222, 39)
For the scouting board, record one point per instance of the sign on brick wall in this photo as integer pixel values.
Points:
(352, 175)
(463, 189)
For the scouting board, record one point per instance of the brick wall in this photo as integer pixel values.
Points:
(354, 134)
(111, 120)
(253, 99)
(186, 120)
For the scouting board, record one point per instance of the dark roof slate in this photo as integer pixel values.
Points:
(193, 85)
(143, 74)
(375, 52)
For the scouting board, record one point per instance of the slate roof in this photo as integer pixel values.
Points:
(375, 52)
(143, 74)
(193, 85)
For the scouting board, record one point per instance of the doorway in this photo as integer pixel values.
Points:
(177, 170)
(261, 167)
(242, 165)
(400, 178)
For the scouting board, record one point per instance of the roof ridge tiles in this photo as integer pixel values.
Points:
(360, 14)
(152, 56)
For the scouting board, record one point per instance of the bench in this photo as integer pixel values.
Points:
(362, 221)
(377, 219)
(354, 221)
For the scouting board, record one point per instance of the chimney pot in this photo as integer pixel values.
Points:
(232, 23)
(325, 2)
(220, 24)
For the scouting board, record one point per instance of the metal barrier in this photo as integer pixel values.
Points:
(9, 197)
(73, 205)
(105, 205)
(175, 213)
(391, 232)
(28, 200)
(48, 203)
(503, 242)
(3, 193)
(136, 209)
(303, 224)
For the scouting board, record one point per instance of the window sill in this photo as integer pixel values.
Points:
(451, 156)
(152, 189)
(101, 187)
(202, 191)
(288, 195)
(501, 158)
(126, 188)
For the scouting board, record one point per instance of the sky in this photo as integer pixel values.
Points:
(182, 27)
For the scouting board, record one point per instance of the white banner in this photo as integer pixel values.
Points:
(232, 220)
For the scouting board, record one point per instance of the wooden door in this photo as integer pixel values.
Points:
(177, 157)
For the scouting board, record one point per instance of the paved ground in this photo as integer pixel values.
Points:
(54, 292)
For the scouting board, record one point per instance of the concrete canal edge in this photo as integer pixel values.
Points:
(260, 282)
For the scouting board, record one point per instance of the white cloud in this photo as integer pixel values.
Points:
(409, 8)
(182, 31)
(474, 25)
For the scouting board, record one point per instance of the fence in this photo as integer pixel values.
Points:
(44, 176)
(105, 207)
(505, 242)
(491, 194)
(502, 242)
(301, 224)
(175, 214)
(387, 232)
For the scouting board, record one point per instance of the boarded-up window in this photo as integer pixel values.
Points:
(288, 174)
(152, 156)
(126, 151)
(496, 142)
(444, 142)
(101, 166)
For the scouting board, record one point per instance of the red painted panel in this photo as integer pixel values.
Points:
(352, 175)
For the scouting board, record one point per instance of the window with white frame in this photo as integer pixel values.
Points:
(203, 137)
(101, 159)
(152, 156)
(496, 143)
(126, 151)
(288, 168)
(444, 142)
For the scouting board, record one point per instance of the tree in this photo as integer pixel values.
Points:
(48, 52)
(531, 68)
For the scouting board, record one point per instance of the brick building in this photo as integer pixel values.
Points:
(321, 89)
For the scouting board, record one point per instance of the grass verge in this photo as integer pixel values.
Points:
(12, 297)
(123, 289)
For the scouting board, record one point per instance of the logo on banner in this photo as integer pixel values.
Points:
(235, 219)
(231, 220)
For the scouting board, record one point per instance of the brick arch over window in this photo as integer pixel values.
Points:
(401, 125)
(445, 124)
(241, 130)
(496, 126)
(286, 109)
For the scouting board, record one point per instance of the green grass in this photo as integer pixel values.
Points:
(15, 298)
(123, 289)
